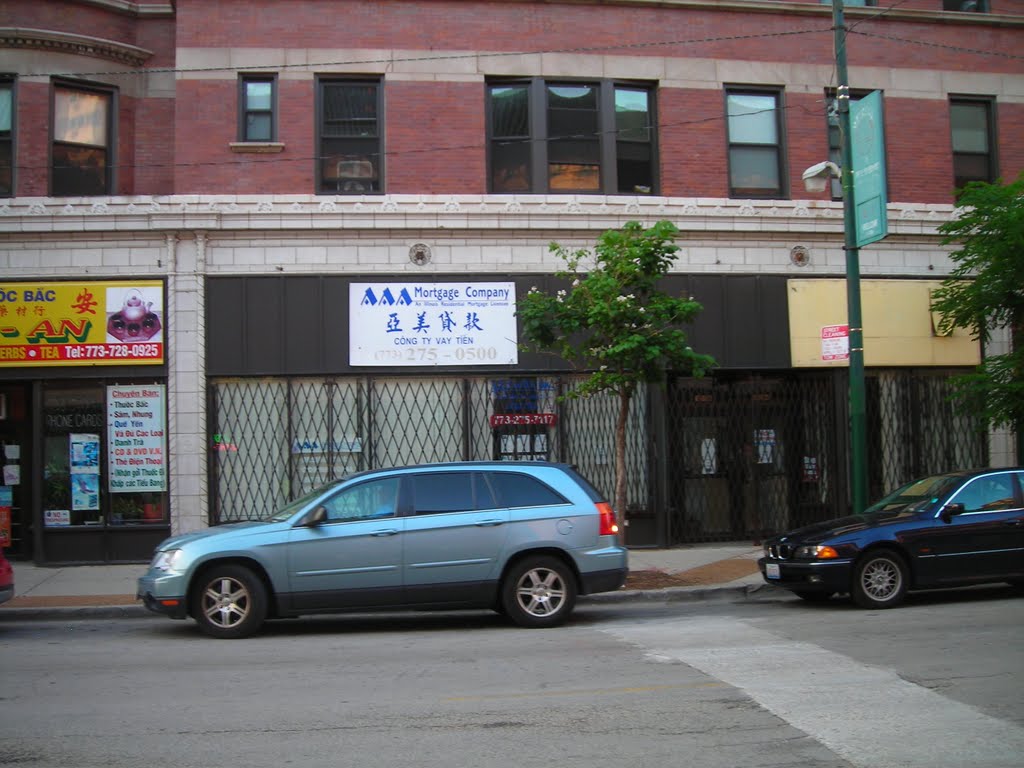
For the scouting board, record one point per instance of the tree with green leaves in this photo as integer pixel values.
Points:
(984, 294)
(614, 323)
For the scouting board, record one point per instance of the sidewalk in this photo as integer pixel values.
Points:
(697, 572)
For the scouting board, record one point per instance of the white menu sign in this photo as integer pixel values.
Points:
(432, 324)
(136, 443)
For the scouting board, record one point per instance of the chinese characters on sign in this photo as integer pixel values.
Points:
(432, 324)
(136, 429)
(72, 323)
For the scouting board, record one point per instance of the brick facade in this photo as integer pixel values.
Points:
(191, 204)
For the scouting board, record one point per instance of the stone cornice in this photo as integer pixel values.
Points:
(540, 213)
(80, 45)
(129, 8)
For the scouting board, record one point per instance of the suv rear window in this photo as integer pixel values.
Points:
(516, 490)
(435, 493)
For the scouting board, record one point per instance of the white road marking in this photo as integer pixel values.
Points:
(866, 715)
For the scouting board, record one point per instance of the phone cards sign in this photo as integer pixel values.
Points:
(432, 324)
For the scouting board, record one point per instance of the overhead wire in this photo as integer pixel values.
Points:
(477, 146)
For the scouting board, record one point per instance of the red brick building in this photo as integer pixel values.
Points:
(240, 170)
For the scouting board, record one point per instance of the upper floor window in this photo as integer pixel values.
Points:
(6, 138)
(258, 112)
(590, 137)
(966, 6)
(81, 152)
(972, 133)
(755, 143)
(349, 127)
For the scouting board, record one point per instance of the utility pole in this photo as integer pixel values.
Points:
(858, 415)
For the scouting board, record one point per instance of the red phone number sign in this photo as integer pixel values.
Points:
(519, 419)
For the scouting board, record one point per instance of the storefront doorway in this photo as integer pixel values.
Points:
(85, 470)
(16, 530)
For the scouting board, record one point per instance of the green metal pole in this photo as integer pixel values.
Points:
(858, 416)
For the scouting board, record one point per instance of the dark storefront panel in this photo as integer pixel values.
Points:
(299, 326)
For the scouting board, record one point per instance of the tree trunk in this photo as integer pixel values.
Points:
(1017, 345)
(620, 459)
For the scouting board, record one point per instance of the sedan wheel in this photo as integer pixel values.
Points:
(879, 581)
(230, 602)
(539, 592)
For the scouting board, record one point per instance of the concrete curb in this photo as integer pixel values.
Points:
(74, 612)
(739, 593)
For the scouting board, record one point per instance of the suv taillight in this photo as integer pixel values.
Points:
(609, 527)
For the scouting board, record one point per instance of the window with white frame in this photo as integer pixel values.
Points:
(6, 137)
(349, 136)
(81, 153)
(258, 108)
(572, 137)
(755, 143)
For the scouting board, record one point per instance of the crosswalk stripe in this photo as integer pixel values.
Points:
(867, 715)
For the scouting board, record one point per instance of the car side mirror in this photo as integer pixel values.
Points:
(951, 510)
(317, 517)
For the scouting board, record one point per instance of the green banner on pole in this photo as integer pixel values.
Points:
(867, 133)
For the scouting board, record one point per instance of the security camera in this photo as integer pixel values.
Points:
(818, 175)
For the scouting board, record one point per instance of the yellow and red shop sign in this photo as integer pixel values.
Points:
(81, 323)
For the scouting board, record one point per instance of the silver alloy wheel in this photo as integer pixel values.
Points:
(881, 579)
(226, 602)
(540, 592)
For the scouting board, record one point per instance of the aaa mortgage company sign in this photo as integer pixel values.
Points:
(431, 324)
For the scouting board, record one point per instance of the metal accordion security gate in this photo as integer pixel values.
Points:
(727, 458)
(274, 439)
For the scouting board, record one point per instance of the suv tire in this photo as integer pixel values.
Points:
(539, 592)
(229, 602)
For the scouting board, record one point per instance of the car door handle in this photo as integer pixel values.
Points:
(486, 523)
(385, 532)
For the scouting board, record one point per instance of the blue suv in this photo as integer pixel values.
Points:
(522, 538)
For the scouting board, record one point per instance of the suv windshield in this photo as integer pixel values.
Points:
(294, 506)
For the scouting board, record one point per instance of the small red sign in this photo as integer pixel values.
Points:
(835, 342)
(518, 419)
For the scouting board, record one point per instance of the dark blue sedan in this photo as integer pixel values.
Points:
(947, 530)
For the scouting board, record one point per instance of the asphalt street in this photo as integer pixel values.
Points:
(755, 684)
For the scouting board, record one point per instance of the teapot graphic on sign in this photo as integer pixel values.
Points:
(135, 321)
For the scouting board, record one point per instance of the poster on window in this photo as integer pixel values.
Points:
(136, 430)
(432, 324)
(85, 492)
(84, 462)
(85, 454)
(6, 504)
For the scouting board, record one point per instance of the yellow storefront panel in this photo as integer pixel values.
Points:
(898, 325)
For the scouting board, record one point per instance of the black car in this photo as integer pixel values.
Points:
(947, 530)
